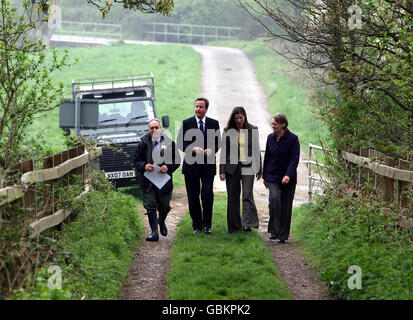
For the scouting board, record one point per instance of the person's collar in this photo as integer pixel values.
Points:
(153, 139)
(284, 134)
(197, 119)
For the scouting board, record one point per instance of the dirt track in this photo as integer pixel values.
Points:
(228, 80)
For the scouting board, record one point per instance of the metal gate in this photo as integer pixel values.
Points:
(90, 29)
(187, 33)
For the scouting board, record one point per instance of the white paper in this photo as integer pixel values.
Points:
(157, 178)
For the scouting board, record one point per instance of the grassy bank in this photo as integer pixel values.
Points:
(351, 231)
(285, 89)
(100, 245)
(94, 251)
(222, 266)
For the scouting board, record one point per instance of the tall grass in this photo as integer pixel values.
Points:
(222, 266)
(342, 232)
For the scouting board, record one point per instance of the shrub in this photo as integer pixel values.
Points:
(347, 229)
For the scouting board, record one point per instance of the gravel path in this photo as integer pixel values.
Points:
(150, 265)
(228, 80)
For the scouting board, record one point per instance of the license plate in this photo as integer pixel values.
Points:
(120, 174)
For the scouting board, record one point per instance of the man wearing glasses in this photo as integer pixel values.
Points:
(156, 152)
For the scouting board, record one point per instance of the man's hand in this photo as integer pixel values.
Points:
(163, 169)
(208, 152)
(285, 180)
(198, 150)
(149, 167)
(258, 176)
(222, 176)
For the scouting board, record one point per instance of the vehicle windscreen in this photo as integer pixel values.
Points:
(125, 112)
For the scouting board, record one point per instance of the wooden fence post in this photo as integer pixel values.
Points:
(389, 182)
(363, 172)
(49, 186)
(72, 154)
(80, 151)
(57, 159)
(380, 179)
(65, 157)
(372, 156)
(404, 165)
(29, 196)
(41, 190)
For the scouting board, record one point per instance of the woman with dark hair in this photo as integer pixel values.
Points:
(240, 164)
(282, 154)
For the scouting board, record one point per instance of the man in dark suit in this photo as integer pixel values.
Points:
(156, 149)
(200, 139)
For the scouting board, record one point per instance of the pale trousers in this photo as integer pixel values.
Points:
(249, 211)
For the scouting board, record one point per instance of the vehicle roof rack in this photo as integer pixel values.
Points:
(113, 84)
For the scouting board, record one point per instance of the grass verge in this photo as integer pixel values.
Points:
(101, 243)
(94, 252)
(349, 231)
(222, 266)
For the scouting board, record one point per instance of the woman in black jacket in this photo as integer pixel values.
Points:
(282, 155)
(240, 164)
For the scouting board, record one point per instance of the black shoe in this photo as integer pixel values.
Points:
(162, 226)
(163, 229)
(196, 231)
(281, 241)
(273, 236)
(247, 229)
(152, 237)
(153, 222)
(207, 230)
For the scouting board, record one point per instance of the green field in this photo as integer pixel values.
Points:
(176, 71)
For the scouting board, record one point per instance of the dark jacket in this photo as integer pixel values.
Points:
(281, 158)
(227, 164)
(211, 139)
(143, 156)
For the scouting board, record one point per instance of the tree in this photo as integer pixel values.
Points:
(361, 51)
(27, 88)
(148, 6)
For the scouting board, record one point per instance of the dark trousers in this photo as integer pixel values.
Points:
(280, 207)
(195, 186)
(249, 210)
(155, 200)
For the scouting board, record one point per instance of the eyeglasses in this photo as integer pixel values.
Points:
(156, 128)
